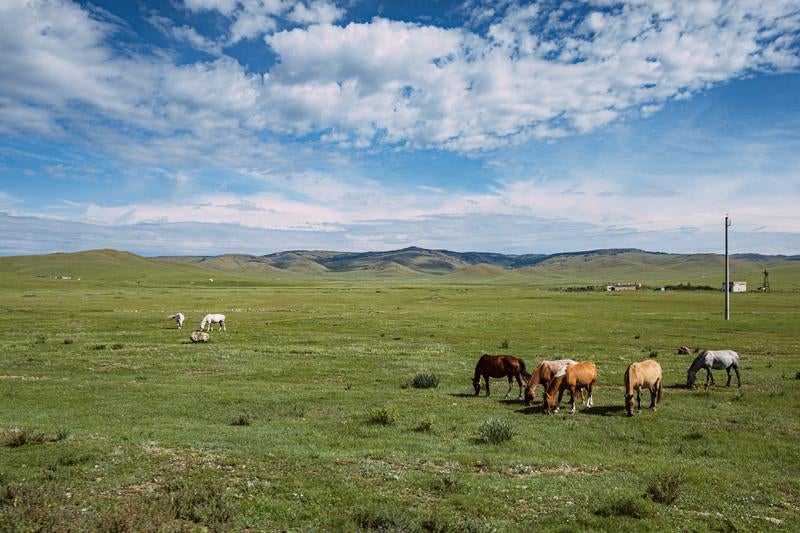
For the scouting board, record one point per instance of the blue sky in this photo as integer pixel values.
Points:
(253, 126)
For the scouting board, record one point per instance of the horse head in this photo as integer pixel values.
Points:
(629, 404)
(476, 384)
(690, 377)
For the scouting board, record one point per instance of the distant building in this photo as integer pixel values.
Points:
(736, 286)
(616, 287)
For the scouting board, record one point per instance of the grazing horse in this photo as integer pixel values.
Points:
(579, 376)
(717, 360)
(544, 373)
(498, 366)
(179, 318)
(645, 374)
(213, 319)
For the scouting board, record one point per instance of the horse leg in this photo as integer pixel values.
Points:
(738, 380)
(590, 401)
(709, 377)
(572, 393)
(653, 393)
(519, 382)
(223, 326)
(510, 386)
(728, 370)
(486, 380)
(638, 400)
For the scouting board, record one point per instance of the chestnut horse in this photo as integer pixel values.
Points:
(646, 374)
(579, 376)
(499, 366)
(544, 373)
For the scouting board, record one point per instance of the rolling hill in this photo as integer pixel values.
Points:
(596, 267)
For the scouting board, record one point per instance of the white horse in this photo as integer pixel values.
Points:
(179, 318)
(213, 319)
(717, 360)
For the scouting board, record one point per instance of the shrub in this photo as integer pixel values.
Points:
(495, 431)
(653, 353)
(21, 437)
(99, 347)
(425, 381)
(68, 341)
(504, 344)
(666, 488)
(242, 420)
(385, 416)
(631, 506)
(61, 434)
(445, 482)
(797, 375)
(385, 519)
(426, 424)
(200, 501)
(117, 346)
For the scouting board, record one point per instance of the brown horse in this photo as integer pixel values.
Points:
(499, 366)
(578, 376)
(646, 374)
(544, 373)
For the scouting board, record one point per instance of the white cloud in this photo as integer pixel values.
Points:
(315, 12)
(533, 74)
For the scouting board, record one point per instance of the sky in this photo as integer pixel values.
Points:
(201, 127)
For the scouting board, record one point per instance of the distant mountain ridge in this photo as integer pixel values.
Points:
(432, 261)
(571, 269)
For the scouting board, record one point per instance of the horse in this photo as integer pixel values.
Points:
(579, 376)
(213, 319)
(544, 373)
(498, 366)
(179, 318)
(645, 374)
(717, 360)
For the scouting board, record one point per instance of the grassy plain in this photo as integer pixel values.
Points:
(128, 426)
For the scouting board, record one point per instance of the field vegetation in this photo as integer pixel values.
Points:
(304, 415)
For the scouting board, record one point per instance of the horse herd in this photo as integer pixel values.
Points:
(565, 374)
(208, 320)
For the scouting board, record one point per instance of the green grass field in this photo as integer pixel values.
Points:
(110, 419)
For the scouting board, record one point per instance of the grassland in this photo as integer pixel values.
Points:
(112, 420)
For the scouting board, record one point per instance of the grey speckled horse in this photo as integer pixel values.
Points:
(716, 360)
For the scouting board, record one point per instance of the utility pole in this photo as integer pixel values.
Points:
(727, 273)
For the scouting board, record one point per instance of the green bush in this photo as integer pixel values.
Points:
(426, 424)
(243, 419)
(631, 506)
(385, 416)
(495, 431)
(20, 437)
(666, 488)
(425, 381)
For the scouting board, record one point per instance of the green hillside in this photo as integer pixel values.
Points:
(595, 268)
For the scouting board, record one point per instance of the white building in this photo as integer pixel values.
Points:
(736, 286)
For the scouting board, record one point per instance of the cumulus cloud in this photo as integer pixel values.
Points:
(531, 73)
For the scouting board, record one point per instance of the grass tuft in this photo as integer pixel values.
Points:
(666, 488)
(426, 424)
(425, 381)
(384, 416)
(504, 343)
(99, 347)
(20, 437)
(495, 431)
(117, 346)
(630, 506)
(243, 419)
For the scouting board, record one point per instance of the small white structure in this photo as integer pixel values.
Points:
(622, 287)
(736, 286)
